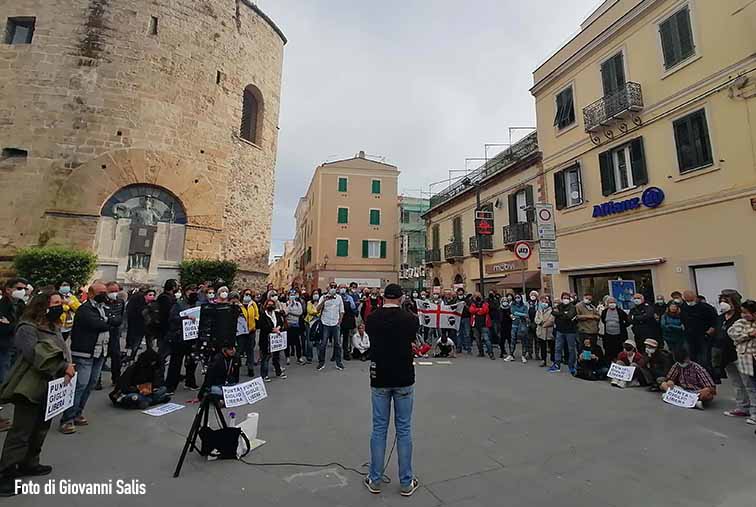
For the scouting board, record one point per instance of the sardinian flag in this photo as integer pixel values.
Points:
(439, 316)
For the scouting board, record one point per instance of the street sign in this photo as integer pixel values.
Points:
(484, 215)
(522, 250)
(484, 227)
(547, 231)
(544, 213)
(550, 268)
(505, 267)
(548, 255)
(548, 244)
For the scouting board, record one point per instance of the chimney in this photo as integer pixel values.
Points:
(361, 154)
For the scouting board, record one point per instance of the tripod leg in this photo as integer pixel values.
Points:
(220, 414)
(191, 438)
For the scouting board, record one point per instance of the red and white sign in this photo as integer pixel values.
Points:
(522, 250)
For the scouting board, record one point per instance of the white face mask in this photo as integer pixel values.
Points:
(223, 295)
(724, 307)
(691, 303)
(315, 297)
(613, 306)
(414, 294)
(587, 301)
(650, 351)
(637, 301)
(112, 296)
(65, 290)
(533, 298)
(211, 295)
(566, 301)
(247, 299)
(332, 291)
(19, 294)
(274, 298)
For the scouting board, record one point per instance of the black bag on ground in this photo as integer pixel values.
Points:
(222, 443)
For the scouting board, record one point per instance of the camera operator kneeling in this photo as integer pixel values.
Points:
(135, 388)
(223, 371)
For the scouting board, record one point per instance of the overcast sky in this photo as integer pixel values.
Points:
(424, 83)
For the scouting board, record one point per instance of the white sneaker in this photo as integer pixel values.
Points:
(524, 360)
(509, 358)
(699, 405)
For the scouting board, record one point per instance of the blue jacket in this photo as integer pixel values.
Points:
(520, 310)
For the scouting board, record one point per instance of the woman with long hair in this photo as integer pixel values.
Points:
(42, 356)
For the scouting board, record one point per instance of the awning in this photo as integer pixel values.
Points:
(514, 280)
(615, 265)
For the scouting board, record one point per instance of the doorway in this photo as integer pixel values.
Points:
(710, 280)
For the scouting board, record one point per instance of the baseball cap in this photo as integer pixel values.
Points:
(393, 291)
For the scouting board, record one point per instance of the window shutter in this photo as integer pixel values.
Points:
(560, 191)
(685, 33)
(683, 142)
(607, 77)
(512, 208)
(559, 108)
(701, 139)
(638, 162)
(365, 249)
(376, 186)
(666, 30)
(343, 216)
(529, 202)
(569, 107)
(607, 173)
(383, 249)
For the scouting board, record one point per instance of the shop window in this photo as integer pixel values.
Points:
(677, 38)
(613, 74)
(20, 30)
(342, 248)
(623, 167)
(692, 140)
(521, 206)
(568, 187)
(565, 109)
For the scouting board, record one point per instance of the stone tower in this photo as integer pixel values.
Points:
(144, 130)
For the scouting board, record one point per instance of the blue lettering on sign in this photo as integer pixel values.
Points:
(652, 197)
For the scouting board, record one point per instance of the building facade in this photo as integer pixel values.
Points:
(645, 120)
(411, 242)
(145, 131)
(510, 185)
(282, 271)
(347, 224)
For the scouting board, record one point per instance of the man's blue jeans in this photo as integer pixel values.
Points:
(465, 340)
(88, 370)
(519, 332)
(335, 333)
(404, 398)
(482, 336)
(570, 340)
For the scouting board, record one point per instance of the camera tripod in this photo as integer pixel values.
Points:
(200, 421)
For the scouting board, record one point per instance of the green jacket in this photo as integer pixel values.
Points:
(28, 379)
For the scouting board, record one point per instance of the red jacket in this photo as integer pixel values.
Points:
(482, 310)
(638, 359)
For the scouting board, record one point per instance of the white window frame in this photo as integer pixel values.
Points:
(380, 217)
(576, 168)
(377, 242)
(625, 149)
(697, 54)
(560, 131)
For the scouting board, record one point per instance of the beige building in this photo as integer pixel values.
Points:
(283, 268)
(646, 123)
(510, 185)
(347, 224)
(145, 131)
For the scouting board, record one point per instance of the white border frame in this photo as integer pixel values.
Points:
(379, 248)
(371, 186)
(337, 184)
(349, 214)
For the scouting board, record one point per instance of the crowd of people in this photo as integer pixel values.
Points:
(59, 332)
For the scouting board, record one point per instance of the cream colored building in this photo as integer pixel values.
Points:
(510, 184)
(347, 224)
(645, 120)
(282, 269)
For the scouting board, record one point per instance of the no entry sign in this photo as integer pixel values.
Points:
(522, 250)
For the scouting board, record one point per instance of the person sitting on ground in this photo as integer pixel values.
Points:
(659, 363)
(223, 371)
(361, 344)
(631, 357)
(444, 347)
(692, 377)
(591, 363)
(137, 385)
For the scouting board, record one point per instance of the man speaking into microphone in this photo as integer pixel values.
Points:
(392, 377)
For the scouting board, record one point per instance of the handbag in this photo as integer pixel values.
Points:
(222, 443)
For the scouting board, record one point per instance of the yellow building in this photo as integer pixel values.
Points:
(282, 270)
(510, 184)
(347, 224)
(646, 123)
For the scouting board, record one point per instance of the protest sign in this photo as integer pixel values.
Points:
(619, 372)
(165, 408)
(191, 324)
(249, 392)
(680, 398)
(278, 342)
(60, 396)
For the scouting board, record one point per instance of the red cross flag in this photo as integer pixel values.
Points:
(439, 316)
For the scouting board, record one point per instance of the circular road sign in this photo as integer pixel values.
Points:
(544, 214)
(522, 250)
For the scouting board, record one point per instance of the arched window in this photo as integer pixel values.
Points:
(458, 278)
(252, 113)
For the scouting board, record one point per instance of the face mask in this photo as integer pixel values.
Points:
(533, 298)
(725, 307)
(54, 313)
(509, 298)
(660, 302)
(414, 294)
(192, 298)
(628, 348)
(332, 291)
(315, 297)
(613, 306)
(566, 301)
(274, 298)
(678, 301)
(292, 298)
(684, 365)
(342, 291)
(65, 290)
(587, 301)
(269, 308)
(247, 299)
(112, 296)
(19, 294)
(691, 303)
(650, 351)
(101, 298)
(223, 295)
(544, 305)
(211, 295)
(423, 296)
(637, 301)
(373, 296)
(518, 300)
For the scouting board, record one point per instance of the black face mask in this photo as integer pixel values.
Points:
(478, 300)
(192, 298)
(101, 298)
(269, 308)
(54, 313)
(628, 349)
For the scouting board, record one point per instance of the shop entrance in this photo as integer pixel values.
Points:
(710, 280)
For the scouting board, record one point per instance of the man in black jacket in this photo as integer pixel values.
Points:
(643, 321)
(181, 350)
(89, 344)
(223, 371)
(11, 308)
(700, 323)
(115, 317)
(165, 302)
(392, 377)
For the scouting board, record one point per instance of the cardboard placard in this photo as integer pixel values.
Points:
(248, 393)
(161, 410)
(680, 397)
(619, 372)
(191, 325)
(278, 341)
(60, 396)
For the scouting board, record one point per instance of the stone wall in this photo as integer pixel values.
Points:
(99, 103)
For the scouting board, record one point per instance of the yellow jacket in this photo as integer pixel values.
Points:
(252, 314)
(70, 306)
(312, 312)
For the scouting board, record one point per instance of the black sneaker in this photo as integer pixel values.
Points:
(98, 386)
(410, 488)
(7, 487)
(321, 367)
(34, 471)
(373, 487)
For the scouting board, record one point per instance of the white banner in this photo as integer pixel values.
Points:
(191, 324)
(59, 396)
(439, 316)
(680, 397)
(165, 408)
(278, 342)
(249, 392)
(619, 372)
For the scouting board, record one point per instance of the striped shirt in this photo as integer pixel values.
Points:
(691, 378)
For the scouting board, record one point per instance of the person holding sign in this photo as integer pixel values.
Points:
(223, 371)
(271, 322)
(691, 377)
(181, 348)
(631, 357)
(42, 356)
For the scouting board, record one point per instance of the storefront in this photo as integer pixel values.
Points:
(509, 276)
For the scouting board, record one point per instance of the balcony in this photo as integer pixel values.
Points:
(518, 232)
(453, 251)
(486, 241)
(607, 109)
(433, 255)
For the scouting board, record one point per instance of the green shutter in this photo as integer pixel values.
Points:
(365, 249)
(512, 201)
(530, 212)
(343, 215)
(638, 162)
(668, 39)
(375, 217)
(342, 184)
(685, 34)
(608, 186)
(560, 191)
(383, 249)
(342, 248)
(376, 186)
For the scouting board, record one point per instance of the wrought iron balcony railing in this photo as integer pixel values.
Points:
(606, 109)
(432, 255)
(454, 250)
(486, 241)
(518, 232)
